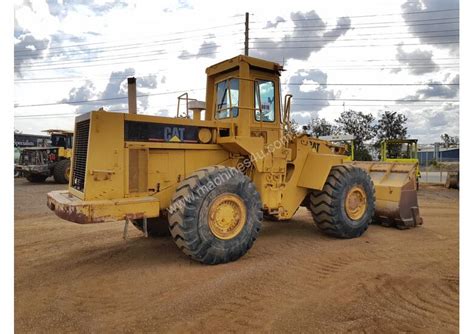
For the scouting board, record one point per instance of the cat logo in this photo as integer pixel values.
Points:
(174, 134)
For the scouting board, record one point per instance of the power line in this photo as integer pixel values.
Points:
(377, 15)
(104, 99)
(385, 22)
(382, 26)
(385, 59)
(373, 100)
(74, 114)
(33, 116)
(346, 46)
(121, 47)
(48, 116)
(69, 78)
(165, 93)
(370, 84)
(353, 39)
(107, 58)
(361, 25)
(322, 84)
(368, 105)
(108, 76)
(121, 63)
(210, 28)
(168, 34)
(157, 52)
(384, 66)
(43, 67)
(377, 34)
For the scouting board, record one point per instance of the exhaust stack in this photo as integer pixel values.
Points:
(132, 95)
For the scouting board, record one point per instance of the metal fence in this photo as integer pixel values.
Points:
(437, 173)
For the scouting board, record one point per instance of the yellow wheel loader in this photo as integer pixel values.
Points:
(401, 150)
(210, 176)
(39, 163)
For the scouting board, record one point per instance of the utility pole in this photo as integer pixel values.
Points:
(247, 34)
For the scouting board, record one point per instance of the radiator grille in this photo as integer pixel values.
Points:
(80, 154)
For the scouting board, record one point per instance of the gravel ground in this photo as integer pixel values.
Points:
(73, 278)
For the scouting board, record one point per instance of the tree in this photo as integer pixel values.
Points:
(391, 125)
(294, 128)
(449, 140)
(362, 127)
(320, 127)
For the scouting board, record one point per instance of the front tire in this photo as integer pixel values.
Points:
(215, 215)
(346, 205)
(61, 171)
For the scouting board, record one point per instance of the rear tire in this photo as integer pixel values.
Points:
(33, 178)
(215, 222)
(346, 205)
(156, 227)
(61, 171)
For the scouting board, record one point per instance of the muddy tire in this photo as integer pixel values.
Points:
(157, 227)
(61, 171)
(346, 205)
(33, 178)
(215, 215)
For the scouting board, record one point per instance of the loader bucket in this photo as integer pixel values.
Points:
(396, 201)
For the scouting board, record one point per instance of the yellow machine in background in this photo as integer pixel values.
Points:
(401, 150)
(390, 209)
(39, 163)
(346, 140)
(209, 181)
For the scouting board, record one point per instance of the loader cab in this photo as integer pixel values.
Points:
(245, 93)
(61, 138)
(401, 149)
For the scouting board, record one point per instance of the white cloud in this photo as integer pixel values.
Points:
(143, 25)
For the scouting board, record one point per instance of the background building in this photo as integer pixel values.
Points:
(27, 140)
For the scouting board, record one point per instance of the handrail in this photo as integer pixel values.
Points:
(187, 104)
(259, 105)
(286, 113)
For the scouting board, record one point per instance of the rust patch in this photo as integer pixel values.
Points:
(76, 214)
(133, 216)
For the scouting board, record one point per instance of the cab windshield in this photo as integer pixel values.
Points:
(401, 151)
(61, 141)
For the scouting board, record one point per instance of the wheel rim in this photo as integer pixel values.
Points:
(66, 173)
(227, 216)
(356, 203)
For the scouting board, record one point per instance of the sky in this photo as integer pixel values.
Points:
(368, 56)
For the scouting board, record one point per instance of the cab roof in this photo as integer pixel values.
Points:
(234, 62)
(58, 132)
(400, 141)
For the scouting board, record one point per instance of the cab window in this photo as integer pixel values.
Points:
(227, 99)
(265, 94)
(61, 141)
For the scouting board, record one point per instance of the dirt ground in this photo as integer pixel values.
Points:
(74, 278)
